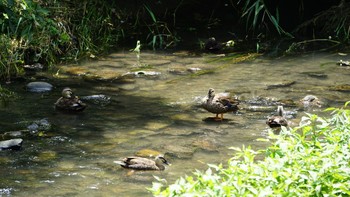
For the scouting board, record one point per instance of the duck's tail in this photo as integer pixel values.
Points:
(119, 162)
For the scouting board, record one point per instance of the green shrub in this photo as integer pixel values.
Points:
(312, 159)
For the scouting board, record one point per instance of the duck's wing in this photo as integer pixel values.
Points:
(140, 163)
(277, 121)
(227, 102)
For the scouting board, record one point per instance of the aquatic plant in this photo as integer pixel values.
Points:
(309, 160)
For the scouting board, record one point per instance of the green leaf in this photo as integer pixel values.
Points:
(151, 13)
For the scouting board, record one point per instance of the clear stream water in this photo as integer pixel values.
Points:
(156, 112)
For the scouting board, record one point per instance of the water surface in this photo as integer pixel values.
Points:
(157, 112)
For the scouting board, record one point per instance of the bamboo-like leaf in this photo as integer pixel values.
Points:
(151, 13)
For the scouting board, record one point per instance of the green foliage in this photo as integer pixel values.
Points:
(9, 57)
(309, 160)
(53, 31)
(97, 29)
(159, 33)
(28, 35)
(258, 16)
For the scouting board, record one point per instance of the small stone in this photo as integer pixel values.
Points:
(98, 99)
(34, 67)
(194, 70)
(13, 144)
(39, 86)
(142, 73)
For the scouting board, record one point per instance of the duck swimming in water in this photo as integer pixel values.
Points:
(310, 101)
(212, 45)
(141, 163)
(277, 120)
(69, 102)
(219, 104)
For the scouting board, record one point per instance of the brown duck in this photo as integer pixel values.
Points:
(310, 101)
(277, 120)
(141, 163)
(219, 104)
(69, 102)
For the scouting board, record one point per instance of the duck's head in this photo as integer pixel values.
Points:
(211, 93)
(67, 93)
(310, 100)
(162, 160)
(280, 110)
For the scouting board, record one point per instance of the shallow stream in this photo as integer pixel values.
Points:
(153, 107)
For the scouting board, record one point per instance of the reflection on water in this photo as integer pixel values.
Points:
(153, 106)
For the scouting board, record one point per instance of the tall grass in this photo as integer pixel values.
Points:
(258, 16)
(52, 31)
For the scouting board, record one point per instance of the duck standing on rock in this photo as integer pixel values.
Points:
(69, 102)
(278, 120)
(141, 163)
(219, 104)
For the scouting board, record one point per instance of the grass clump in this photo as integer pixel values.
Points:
(309, 160)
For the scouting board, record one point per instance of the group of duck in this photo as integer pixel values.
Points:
(69, 102)
(218, 104)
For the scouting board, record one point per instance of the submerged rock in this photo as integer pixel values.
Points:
(98, 99)
(319, 75)
(34, 126)
(40, 125)
(143, 73)
(147, 153)
(206, 144)
(39, 86)
(178, 151)
(280, 84)
(13, 144)
(341, 88)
